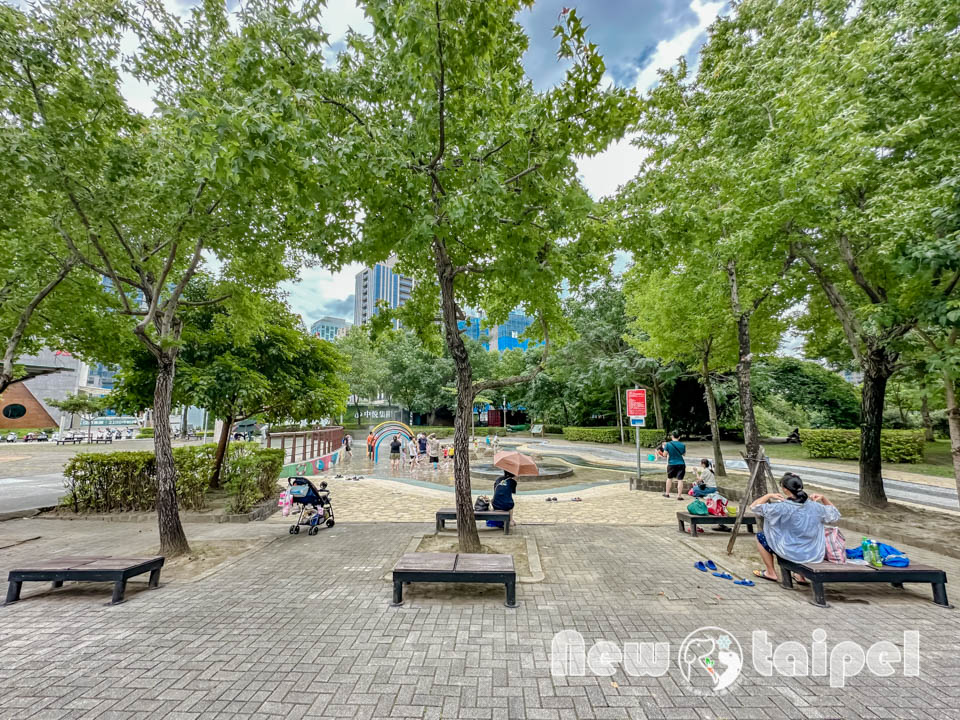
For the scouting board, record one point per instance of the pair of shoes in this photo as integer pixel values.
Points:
(576, 499)
(553, 499)
(710, 565)
(722, 528)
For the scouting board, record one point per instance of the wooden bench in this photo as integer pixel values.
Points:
(72, 441)
(102, 440)
(451, 514)
(821, 573)
(85, 569)
(455, 567)
(683, 516)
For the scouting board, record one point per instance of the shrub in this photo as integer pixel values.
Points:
(553, 429)
(105, 482)
(146, 432)
(250, 474)
(648, 437)
(897, 446)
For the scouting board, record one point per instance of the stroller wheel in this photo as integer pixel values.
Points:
(292, 529)
(296, 529)
(313, 531)
(330, 522)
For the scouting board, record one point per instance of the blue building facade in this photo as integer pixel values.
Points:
(505, 336)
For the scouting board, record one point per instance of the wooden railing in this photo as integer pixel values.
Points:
(308, 444)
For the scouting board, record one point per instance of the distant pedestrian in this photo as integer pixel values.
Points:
(676, 465)
(395, 446)
(370, 441)
(348, 448)
(433, 451)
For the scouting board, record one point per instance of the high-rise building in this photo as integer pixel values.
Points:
(329, 328)
(499, 337)
(377, 283)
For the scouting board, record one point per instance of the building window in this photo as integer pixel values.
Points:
(14, 411)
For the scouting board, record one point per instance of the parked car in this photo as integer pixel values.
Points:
(10, 437)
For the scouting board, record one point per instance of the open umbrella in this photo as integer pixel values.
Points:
(516, 463)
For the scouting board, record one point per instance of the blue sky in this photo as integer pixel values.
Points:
(636, 37)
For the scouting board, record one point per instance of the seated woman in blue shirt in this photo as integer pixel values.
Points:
(793, 525)
(503, 489)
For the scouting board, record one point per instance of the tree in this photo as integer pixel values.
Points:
(144, 202)
(86, 406)
(367, 368)
(831, 401)
(467, 174)
(675, 320)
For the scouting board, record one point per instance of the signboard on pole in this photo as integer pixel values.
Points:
(636, 403)
(638, 421)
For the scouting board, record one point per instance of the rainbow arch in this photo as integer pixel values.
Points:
(387, 430)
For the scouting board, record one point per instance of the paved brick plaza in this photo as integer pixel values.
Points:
(302, 628)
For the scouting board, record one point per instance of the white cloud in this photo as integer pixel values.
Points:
(317, 288)
(604, 173)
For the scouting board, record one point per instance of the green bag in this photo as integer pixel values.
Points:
(697, 507)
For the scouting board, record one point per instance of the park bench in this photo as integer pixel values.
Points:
(684, 517)
(823, 572)
(85, 569)
(455, 568)
(451, 514)
(70, 440)
(102, 440)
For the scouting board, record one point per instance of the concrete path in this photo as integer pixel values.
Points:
(27, 493)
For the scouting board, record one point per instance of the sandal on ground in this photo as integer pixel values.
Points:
(700, 566)
(759, 574)
(721, 528)
(679, 497)
(745, 582)
(723, 575)
(800, 580)
(711, 565)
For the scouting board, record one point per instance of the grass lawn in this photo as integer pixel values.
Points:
(937, 460)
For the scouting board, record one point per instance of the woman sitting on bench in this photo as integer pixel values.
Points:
(503, 489)
(792, 526)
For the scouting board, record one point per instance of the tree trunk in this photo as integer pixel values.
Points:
(173, 541)
(655, 392)
(721, 470)
(751, 434)
(876, 372)
(183, 422)
(619, 415)
(222, 443)
(566, 415)
(927, 420)
(953, 422)
(467, 534)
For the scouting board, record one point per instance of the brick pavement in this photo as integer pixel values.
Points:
(302, 628)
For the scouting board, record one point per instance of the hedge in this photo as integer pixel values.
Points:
(648, 437)
(106, 482)
(553, 429)
(146, 432)
(896, 446)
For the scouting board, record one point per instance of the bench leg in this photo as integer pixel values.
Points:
(13, 591)
(693, 529)
(56, 584)
(786, 577)
(439, 524)
(680, 524)
(506, 524)
(119, 589)
(819, 599)
(940, 594)
(511, 594)
(154, 578)
(898, 586)
(397, 594)
(750, 528)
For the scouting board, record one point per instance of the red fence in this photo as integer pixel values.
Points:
(306, 445)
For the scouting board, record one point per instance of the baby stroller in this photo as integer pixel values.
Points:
(304, 494)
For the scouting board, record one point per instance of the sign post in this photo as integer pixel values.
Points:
(637, 410)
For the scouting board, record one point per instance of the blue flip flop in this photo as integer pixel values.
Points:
(745, 583)
(725, 576)
(711, 565)
(700, 566)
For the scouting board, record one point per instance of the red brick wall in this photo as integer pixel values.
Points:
(35, 417)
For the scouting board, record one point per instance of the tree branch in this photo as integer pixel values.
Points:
(878, 295)
(201, 303)
(441, 90)
(495, 150)
(532, 168)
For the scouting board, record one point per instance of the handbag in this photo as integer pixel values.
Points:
(697, 507)
(716, 504)
(836, 545)
(482, 504)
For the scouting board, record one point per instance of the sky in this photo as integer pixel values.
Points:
(636, 38)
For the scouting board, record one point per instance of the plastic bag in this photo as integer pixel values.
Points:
(697, 507)
(836, 546)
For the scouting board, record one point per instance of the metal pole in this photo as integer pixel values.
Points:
(636, 434)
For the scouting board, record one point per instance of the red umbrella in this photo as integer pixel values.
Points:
(516, 463)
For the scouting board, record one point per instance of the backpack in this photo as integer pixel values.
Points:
(697, 507)
(836, 545)
(482, 504)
